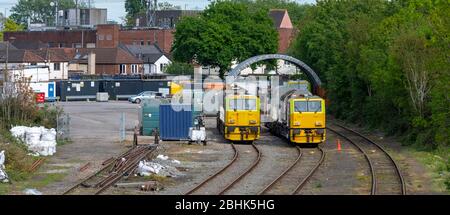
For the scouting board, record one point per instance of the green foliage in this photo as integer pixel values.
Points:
(167, 6)
(39, 11)
(224, 32)
(20, 108)
(10, 25)
(383, 63)
(17, 161)
(178, 68)
(133, 8)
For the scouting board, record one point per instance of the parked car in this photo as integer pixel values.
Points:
(144, 95)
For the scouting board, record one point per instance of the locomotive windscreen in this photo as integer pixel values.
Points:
(242, 104)
(308, 106)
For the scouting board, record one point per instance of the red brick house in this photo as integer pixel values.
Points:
(108, 61)
(104, 36)
(286, 31)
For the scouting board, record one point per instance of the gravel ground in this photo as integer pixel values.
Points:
(94, 130)
(342, 172)
(277, 155)
(418, 179)
(95, 134)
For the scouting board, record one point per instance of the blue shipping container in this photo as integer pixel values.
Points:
(175, 121)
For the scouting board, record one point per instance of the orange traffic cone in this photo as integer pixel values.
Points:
(338, 144)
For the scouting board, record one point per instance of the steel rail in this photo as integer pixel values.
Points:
(397, 169)
(311, 173)
(235, 155)
(248, 170)
(371, 169)
(269, 186)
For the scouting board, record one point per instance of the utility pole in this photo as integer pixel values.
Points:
(151, 12)
(76, 12)
(5, 73)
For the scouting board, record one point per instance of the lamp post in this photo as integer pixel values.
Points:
(55, 4)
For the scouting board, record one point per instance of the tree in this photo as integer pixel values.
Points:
(167, 6)
(383, 63)
(226, 31)
(134, 8)
(38, 11)
(10, 25)
(178, 68)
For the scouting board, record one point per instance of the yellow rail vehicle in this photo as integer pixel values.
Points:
(239, 118)
(300, 118)
(307, 120)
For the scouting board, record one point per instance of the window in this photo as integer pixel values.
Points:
(123, 69)
(300, 106)
(57, 66)
(142, 42)
(307, 106)
(149, 43)
(314, 106)
(33, 64)
(101, 37)
(109, 37)
(134, 69)
(242, 104)
(161, 67)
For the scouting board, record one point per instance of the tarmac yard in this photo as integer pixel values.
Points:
(94, 131)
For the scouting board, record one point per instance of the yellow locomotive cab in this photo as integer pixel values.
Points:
(240, 120)
(307, 120)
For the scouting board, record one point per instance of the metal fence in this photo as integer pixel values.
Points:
(63, 126)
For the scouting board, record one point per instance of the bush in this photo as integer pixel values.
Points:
(17, 161)
(18, 107)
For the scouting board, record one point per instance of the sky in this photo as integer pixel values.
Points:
(116, 9)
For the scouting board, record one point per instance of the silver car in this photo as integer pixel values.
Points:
(144, 95)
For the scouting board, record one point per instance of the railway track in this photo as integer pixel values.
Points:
(112, 171)
(294, 177)
(386, 177)
(240, 164)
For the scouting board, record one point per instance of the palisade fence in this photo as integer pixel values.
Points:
(63, 126)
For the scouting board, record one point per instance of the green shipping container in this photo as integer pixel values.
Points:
(149, 115)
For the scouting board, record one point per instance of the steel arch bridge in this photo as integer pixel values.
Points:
(312, 76)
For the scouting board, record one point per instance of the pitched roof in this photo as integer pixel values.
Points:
(20, 56)
(4, 45)
(151, 58)
(29, 44)
(145, 49)
(106, 56)
(54, 55)
(280, 18)
(147, 53)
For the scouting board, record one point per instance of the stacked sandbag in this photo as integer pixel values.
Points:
(19, 132)
(39, 140)
(48, 142)
(3, 175)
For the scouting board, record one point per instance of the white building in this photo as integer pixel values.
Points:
(155, 64)
(35, 63)
(32, 73)
(154, 58)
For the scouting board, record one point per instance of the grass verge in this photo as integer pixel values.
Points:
(438, 162)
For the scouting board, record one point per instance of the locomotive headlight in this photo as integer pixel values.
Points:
(318, 123)
(252, 121)
(297, 123)
(231, 121)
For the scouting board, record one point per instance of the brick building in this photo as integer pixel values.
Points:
(283, 24)
(104, 36)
